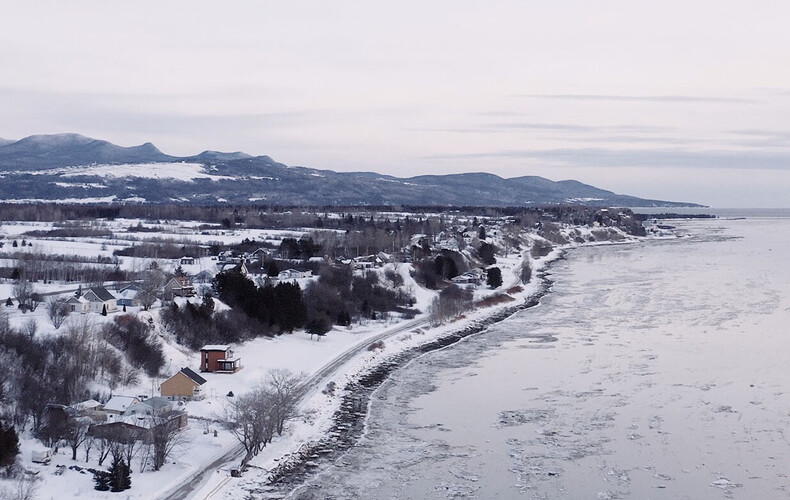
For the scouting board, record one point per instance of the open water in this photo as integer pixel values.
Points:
(656, 370)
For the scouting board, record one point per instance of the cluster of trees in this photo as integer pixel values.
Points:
(339, 296)
(195, 325)
(160, 250)
(256, 416)
(26, 296)
(134, 338)
(49, 267)
(58, 369)
(303, 248)
(281, 308)
(450, 303)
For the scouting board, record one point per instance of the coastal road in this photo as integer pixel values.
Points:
(306, 389)
(232, 458)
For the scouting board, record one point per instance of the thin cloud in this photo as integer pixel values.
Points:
(655, 158)
(639, 98)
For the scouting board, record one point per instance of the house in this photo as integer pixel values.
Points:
(187, 261)
(185, 384)
(293, 274)
(241, 268)
(118, 404)
(468, 278)
(129, 296)
(141, 424)
(219, 359)
(179, 287)
(260, 254)
(203, 276)
(78, 305)
(100, 300)
(150, 406)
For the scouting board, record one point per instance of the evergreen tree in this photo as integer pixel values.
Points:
(9, 302)
(104, 310)
(120, 475)
(494, 277)
(101, 480)
(9, 445)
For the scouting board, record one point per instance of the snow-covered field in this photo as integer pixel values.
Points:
(653, 370)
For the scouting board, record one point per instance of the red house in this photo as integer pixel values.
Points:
(218, 359)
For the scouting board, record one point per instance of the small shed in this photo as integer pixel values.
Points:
(185, 384)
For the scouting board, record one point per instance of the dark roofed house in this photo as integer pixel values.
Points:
(99, 299)
(185, 384)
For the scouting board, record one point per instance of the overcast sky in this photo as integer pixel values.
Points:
(681, 100)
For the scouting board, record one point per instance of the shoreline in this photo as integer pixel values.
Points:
(349, 421)
(282, 475)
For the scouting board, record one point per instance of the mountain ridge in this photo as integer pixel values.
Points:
(63, 167)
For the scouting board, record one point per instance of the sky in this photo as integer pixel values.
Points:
(677, 100)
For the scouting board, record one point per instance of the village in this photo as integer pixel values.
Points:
(144, 413)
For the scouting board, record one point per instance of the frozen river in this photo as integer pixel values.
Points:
(656, 370)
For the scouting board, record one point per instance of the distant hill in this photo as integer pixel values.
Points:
(74, 167)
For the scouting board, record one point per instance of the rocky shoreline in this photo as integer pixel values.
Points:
(349, 421)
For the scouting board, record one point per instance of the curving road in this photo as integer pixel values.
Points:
(190, 485)
(314, 382)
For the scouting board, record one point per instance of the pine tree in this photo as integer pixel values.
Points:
(104, 310)
(120, 475)
(494, 277)
(9, 302)
(101, 480)
(9, 445)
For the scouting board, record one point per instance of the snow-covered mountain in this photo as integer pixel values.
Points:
(74, 167)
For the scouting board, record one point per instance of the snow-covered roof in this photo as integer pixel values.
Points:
(87, 405)
(128, 293)
(215, 347)
(149, 406)
(120, 403)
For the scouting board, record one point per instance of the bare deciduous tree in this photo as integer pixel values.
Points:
(30, 327)
(166, 436)
(253, 418)
(57, 311)
(282, 384)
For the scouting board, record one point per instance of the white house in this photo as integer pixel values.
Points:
(99, 299)
(293, 274)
